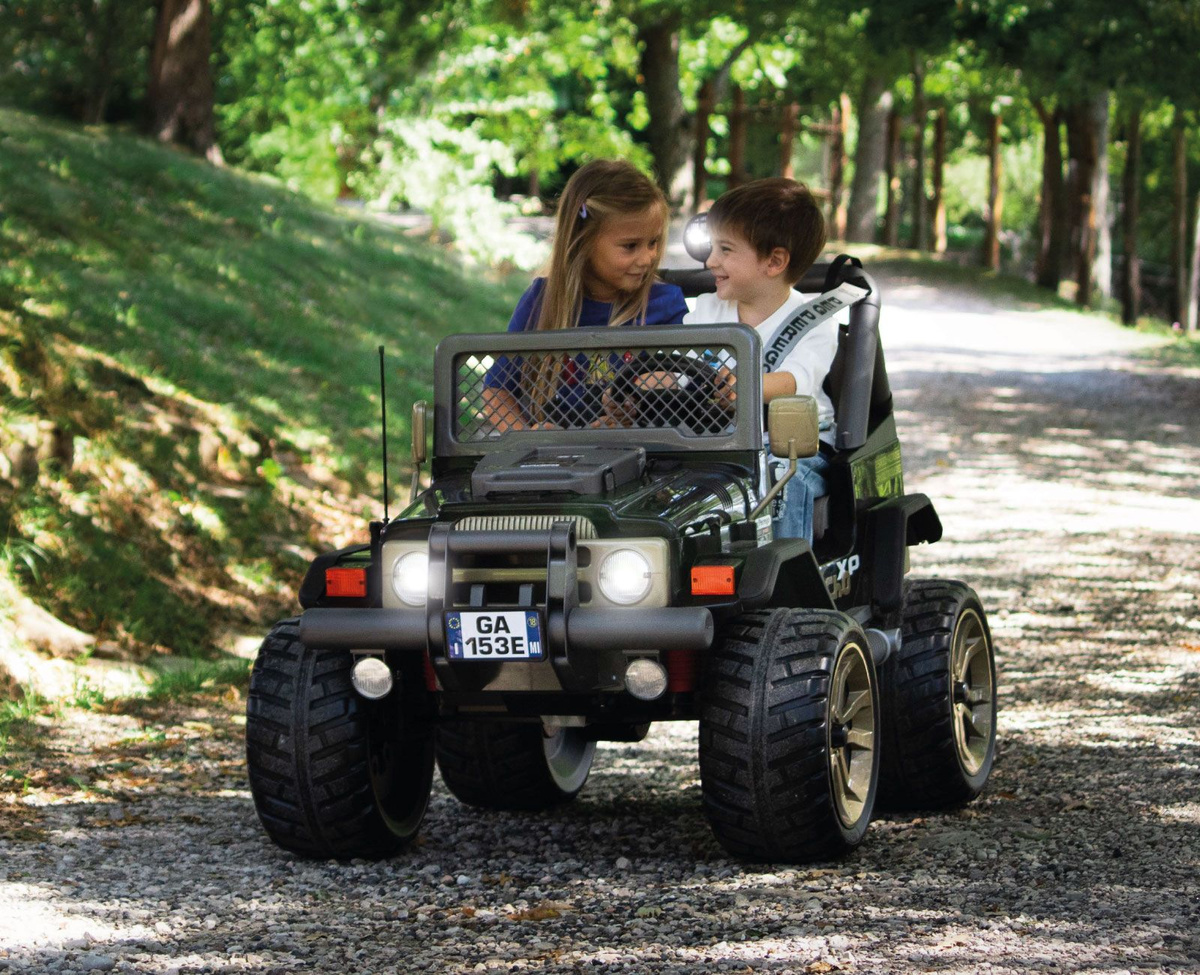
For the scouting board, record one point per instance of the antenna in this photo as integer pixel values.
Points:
(383, 417)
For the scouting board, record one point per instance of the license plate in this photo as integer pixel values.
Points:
(507, 635)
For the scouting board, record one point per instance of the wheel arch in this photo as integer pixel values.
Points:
(783, 573)
(894, 525)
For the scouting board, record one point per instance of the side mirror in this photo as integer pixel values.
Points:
(420, 433)
(793, 419)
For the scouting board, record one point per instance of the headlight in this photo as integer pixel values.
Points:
(410, 577)
(625, 577)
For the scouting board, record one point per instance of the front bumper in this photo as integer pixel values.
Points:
(581, 643)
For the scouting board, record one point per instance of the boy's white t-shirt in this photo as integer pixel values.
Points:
(808, 360)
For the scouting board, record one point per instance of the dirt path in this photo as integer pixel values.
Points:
(1065, 473)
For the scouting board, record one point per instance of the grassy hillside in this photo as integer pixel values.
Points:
(188, 382)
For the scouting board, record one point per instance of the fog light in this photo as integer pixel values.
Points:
(646, 679)
(371, 677)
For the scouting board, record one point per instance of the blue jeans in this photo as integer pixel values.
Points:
(799, 494)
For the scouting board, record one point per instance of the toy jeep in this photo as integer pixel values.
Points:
(595, 554)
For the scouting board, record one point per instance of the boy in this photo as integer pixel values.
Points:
(765, 235)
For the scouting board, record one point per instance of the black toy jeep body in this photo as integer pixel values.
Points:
(611, 565)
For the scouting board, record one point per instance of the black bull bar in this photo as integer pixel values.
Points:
(573, 635)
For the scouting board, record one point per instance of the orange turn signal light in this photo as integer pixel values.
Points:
(346, 583)
(712, 580)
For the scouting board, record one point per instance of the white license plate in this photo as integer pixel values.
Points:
(508, 635)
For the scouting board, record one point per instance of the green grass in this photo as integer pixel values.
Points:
(1183, 352)
(188, 375)
(17, 728)
(198, 677)
(228, 287)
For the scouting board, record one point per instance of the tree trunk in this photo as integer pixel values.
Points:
(180, 90)
(705, 99)
(918, 178)
(1083, 145)
(995, 204)
(1131, 182)
(874, 103)
(711, 92)
(787, 139)
(1052, 207)
(737, 139)
(939, 182)
(100, 42)
(891, 182)
(668, 133)
(837, 168)
(1102, 259)
(1178, 305)
(1193, 302)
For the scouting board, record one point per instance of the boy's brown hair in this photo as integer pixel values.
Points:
(772, 213)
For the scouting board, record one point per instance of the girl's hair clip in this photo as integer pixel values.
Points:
(583, 212)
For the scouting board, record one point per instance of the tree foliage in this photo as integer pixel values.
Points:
(86, 59)
(471, 109)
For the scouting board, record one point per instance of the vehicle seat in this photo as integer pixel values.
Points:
(857, 382)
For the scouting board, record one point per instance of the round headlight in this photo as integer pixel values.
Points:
(410, 577)
(696, 238)
(625, 577)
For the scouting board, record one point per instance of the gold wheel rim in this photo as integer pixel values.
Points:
(851, 734)
(972, 691)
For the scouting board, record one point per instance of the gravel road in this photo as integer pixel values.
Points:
(1066, 475)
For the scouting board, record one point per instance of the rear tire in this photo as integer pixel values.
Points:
(332, 774)
(497, 765)
(939, 700)
(788, 721)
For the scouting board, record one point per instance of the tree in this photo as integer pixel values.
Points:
(995, 204)
(1052, 203)
(917, 239)
(82, 58)
(938, 202)
(669, 132)
(180, 91)
(1072, 54)
(1131, 290)
(874, 105)
(895, 34)
(891, 179)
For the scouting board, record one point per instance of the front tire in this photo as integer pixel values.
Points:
(495, 765)
(939, 694)
(332, 774)
(788, 725)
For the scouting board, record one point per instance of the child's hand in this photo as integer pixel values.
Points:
(726, 394)
(617, 413)
(659, 379)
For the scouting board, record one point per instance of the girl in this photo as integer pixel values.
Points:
(608, 239)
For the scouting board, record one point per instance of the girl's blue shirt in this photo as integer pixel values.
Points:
(577, 400)
(666, 307)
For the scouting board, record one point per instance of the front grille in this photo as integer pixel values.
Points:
(516, 523)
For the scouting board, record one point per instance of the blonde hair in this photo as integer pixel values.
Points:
(599, 191)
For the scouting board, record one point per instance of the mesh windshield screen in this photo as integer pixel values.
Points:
(690, 389)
